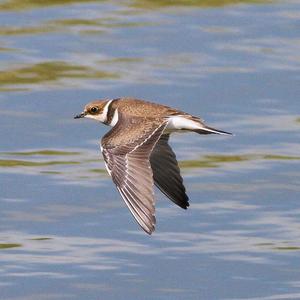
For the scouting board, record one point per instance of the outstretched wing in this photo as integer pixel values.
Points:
(166, 173)
(130, 169)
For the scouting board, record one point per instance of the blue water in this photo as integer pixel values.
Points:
(65, 232)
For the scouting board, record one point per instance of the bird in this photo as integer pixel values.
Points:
(137, 153)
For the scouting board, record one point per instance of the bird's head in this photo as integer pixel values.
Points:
(96, 110)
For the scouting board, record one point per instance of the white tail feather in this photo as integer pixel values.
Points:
(183, 123)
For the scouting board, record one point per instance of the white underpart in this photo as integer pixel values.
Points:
(101, 117)
(115, 118)
(180, 122)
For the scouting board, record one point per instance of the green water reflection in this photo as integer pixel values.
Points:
(32, 4)
(11, 163)
(9, 245)
(214, 161)
(5, 49)
(49, 72)
(21, 77)
(288, 248)
(87, 161)
(5, 30)
(198, 3)
(87, 26)
(42, 152)
(146, 4)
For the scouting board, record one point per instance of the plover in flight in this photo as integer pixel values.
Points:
(137, 154)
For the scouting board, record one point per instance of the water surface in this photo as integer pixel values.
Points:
(65, 232)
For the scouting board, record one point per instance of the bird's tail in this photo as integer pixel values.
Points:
(209, 130)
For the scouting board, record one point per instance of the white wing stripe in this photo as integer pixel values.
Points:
(130, 168)
(133, 196)
(138, 216)
(145, 141)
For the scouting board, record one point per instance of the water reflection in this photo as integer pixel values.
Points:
(82, 26)
(122, 70)
(49, 72)
(238, 241)
(8, 31)
(34, 72)
(8, 246)
(145, 4)
(31, 4)
(148, 4)
(68, 163)
(65, 232)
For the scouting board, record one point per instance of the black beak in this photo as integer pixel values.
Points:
(80, 116)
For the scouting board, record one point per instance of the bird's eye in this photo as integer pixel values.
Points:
(94, 110)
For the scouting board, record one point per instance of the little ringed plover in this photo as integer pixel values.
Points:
(137, 154)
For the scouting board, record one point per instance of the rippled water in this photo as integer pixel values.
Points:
(65, 232)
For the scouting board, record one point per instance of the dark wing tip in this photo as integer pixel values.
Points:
(183, 203)
(150, 230)
(186, 205)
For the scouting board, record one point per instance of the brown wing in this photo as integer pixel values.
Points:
(166, 173)
(130, 167)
